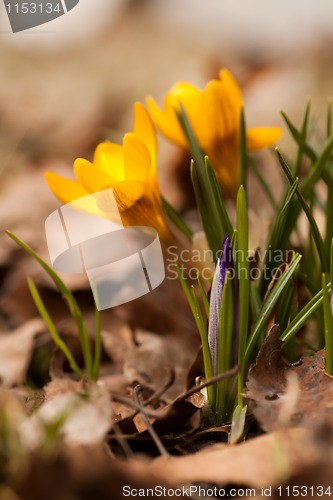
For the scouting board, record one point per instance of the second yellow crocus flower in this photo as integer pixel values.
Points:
(214, 115)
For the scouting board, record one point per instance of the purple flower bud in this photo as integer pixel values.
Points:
(224, 263)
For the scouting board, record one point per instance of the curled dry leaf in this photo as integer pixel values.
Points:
(16, 350)
(289, 396)
(149, 363)
(145, 358)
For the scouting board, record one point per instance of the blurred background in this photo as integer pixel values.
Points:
(71, 83)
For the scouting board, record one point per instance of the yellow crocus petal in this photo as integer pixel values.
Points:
(220, 114)
(66, 190)
(143, 129)
(186, 93)
(127, 193)
(109, 158)
(262, 137)
(231, 88)
(191, 99)
(166, 122)
(148, 212)
(137, 159)
(90, 177)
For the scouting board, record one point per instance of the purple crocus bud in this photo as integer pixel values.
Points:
(224, 263)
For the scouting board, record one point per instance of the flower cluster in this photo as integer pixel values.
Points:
(130, 169)
(211, 121)
(233, 320)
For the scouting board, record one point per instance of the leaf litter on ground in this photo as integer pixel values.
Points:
(283, 395)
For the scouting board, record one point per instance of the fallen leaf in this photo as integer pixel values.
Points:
(60, 386)
(149, 362)
(264, 461)
(15, 351)
(145, 357)
(283, 395)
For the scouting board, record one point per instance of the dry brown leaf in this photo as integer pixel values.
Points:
(117, 341)
(60, 386)
(149, 362)
(264, 461)
(145, 357)
(15, 351)
(288, 396)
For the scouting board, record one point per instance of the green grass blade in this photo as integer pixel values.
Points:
(327, 178)
(52, 328)
(214, 241)
(68, 296)
(284, 307)
(223, 214)
(331, 262)
(192, 142)
(255, 299)
(313, 225)
(242, 150)
(203, 296)
(268, 307)
(329, 118)
(289, 196)
(304, 132)
(177, 219)
(204, 341)
(202, 328)
(328, 326)
(300, 319)
(329, 219)
(244, 284)
(278, 231)
(317, 168)
(194, 147)
(208, 194)
(299, 137)
(196, 311)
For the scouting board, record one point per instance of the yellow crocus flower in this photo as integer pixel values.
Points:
(214, 115)
(129, 169)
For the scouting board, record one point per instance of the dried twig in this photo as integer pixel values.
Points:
(155, 437)
(213, 380)
(159, 413)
